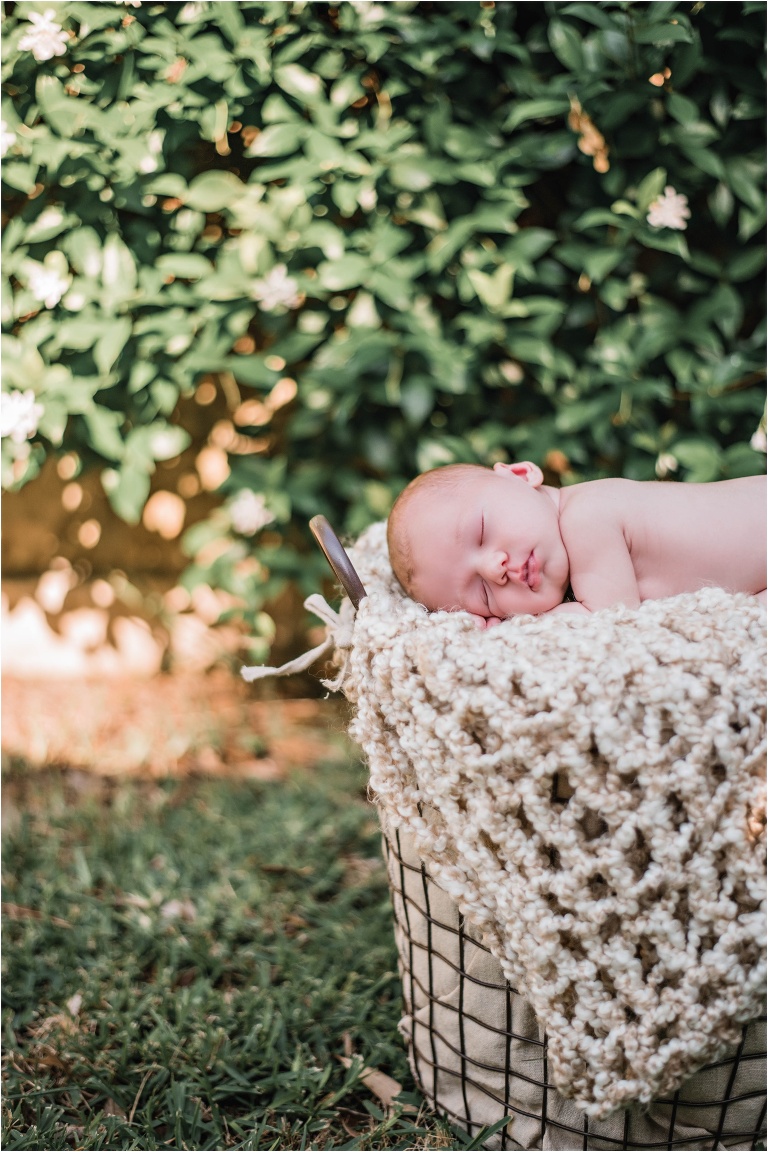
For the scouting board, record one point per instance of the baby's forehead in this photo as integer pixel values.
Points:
(463, 489)
(432, 487)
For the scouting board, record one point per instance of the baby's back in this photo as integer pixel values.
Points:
(679, 537)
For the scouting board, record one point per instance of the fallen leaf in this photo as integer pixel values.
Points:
(19, 912)
(261, 769)
(74, 1003)
(384, 1087)
(178, 910)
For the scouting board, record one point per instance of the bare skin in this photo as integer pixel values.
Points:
(508, 544)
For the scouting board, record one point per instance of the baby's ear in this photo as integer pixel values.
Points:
(523, 470)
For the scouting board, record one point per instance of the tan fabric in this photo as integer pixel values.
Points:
(440, 974)
(631, 916)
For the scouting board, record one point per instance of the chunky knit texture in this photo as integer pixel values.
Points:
(631, 914)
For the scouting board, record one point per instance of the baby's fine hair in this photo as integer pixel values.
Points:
(445, 479)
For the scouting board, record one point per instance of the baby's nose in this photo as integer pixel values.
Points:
(494, 566)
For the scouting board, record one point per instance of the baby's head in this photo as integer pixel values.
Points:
(485, 540)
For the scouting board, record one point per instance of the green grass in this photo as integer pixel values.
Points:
(216, 1021)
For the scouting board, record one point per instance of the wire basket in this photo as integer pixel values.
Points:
(475, 1046)
(478, 1053)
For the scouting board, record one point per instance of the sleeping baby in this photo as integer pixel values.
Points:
(498, 542)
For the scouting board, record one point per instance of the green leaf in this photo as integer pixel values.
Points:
(104, 431)
(662, 34)
(83, 246)
(109, 346)
(666, 241)
(418, 172)
(156, 441)
(728, 310)
(591, 13)
(531, 243)
(721, 204)
(495, 290)
(348, 272)
(746, 264)
(706, 159)
(746, 183)
(582, 414)
(417, 400)
(167, 184)
(595, 217)
(212, 191)
(185, 265)
(598, 264)
(51, 222)
(19, 175)
(543, 108)
(118, 271)
(127, 491)
(299, 83)
(277, 140)
(684, 110)
(566, 43)
(702, 459)
(64, 113)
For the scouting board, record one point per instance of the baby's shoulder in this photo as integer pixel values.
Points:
(594, 520)
(606, 501)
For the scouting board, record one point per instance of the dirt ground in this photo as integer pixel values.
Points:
(177, 724)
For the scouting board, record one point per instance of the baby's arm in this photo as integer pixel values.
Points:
(571, 608)
(602, 571)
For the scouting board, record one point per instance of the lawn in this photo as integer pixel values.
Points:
(188, 963)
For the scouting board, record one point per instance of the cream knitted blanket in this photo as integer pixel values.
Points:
(631, 914)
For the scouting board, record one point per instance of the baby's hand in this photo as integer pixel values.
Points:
(484, 621)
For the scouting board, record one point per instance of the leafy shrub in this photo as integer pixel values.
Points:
(395, 235)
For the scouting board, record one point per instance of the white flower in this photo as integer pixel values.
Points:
(276, 290)
(670, 210)
(367, 199)
(759, 440)
(129, 3)
(48, 281)
(19, 415)
(665, 464)
(154, 147)
(190, 12)
(7, 138)
(45, 39)
(369, 13)
(248, 513)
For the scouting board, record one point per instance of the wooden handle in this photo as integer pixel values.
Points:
(338, 559)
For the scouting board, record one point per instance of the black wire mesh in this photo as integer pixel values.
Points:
(479, 1054)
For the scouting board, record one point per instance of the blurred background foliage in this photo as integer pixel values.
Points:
(372, 239)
